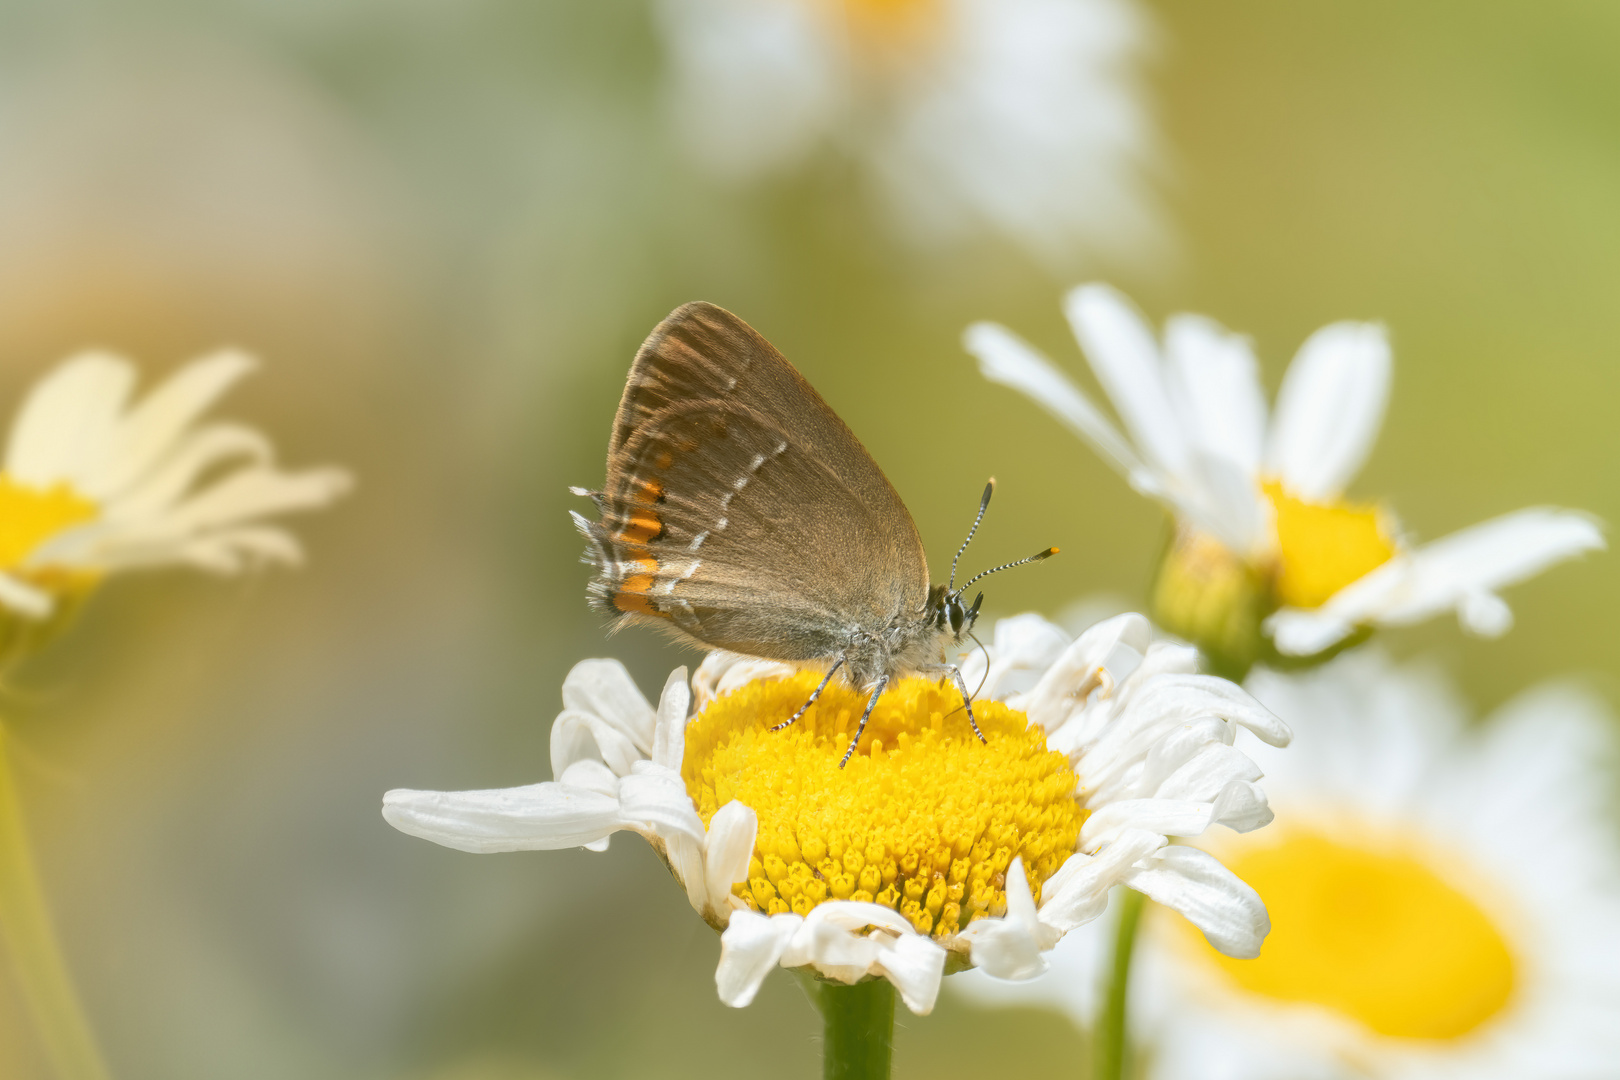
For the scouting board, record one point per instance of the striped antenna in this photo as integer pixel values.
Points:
(984, 503)
(1037, 557)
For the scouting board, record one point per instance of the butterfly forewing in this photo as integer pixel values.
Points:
(739, 508)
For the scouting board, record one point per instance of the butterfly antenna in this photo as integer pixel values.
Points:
(1037, 557)
(984, 504)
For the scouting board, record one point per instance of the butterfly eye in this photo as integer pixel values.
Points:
(957, 615)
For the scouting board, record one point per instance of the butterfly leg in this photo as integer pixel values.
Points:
(877, 692)
(967, 699)
(961, 684)
(790, 721)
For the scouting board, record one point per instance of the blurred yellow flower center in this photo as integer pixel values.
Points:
(1321, 549)
(29, 516)
(925, 819)
(888, 23)
(1375, 935)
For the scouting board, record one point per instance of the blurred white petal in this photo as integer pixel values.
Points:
(1329, 409)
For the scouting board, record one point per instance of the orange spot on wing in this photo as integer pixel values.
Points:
(642, 527)
(664, 460)
(632, 592)
(648, 491)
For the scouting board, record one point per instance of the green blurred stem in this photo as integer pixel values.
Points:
(1110, 1040)
(30, 943)
(859, 1032)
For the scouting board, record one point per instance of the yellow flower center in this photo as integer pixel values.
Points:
(1371, 931)
(925, 819)
(1321, 549)
(29, 516)
(886, 25)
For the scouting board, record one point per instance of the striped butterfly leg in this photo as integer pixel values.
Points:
(961, 685)
(790, 721)
(877, 692)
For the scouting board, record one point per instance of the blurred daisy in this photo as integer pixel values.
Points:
(930, 850)
(1445, 897)
(1020, 115)
(1266, 543)
(95, 484)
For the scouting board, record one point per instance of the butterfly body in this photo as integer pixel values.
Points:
(740, 513)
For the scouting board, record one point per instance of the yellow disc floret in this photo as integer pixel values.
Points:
(1323, 548)
(1369, 929)
(925, 819)
(29, 516)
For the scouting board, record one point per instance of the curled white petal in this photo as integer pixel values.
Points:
(603, 688)
(669, 723)
(1211, 897)
(750, 947)
(727, 848)
(1011, 947)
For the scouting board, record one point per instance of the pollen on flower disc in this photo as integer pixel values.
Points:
(925, 819)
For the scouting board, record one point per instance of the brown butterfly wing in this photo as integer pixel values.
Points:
(739, 509)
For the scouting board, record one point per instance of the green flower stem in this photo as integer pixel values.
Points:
(29, 942)
(859, 1033)
(1110, 1040)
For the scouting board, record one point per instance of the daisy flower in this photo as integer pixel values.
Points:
(95, 483)
(1267, 549)
(1445, 897)
(931, 851)
(1020, 115)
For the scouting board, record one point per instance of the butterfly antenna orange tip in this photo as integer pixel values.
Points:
(984, 504)
(1037, 557)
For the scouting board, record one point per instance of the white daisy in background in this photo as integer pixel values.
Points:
(94, 484)
(931, 850)
(1266, 542)
(1020, 115)
(1446, 898)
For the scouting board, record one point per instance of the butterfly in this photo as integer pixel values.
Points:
(740, 513)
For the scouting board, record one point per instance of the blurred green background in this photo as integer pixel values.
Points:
(446, 227)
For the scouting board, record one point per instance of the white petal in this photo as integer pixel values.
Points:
(1486, 557)
(539, 817)
(1485, 614)
(1021, 650)
(68, 420)
(722, 672)
(202, 452)
(153, 427)
(1078, 892)
(1329, 409)
(255, 493)
(1305, 631)
(654, 799)
(727, 847)
(1125, 358)
(22, 598)
(604, 688)
(1006, 359)
(1010, 947)
(1168, 817)
(1099, 659)
(1217, 372)
(750, 947)
(577, 735)
(1209, 895)
(669, 723)
(591, 775)
(916, 967)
